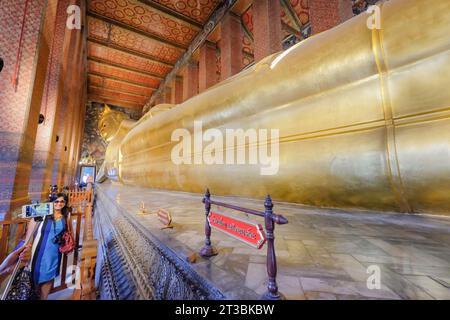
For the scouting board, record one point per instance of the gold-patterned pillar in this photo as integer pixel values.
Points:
(26, 32)
(40, 178)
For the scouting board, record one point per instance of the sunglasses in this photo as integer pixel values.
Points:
(59, 201)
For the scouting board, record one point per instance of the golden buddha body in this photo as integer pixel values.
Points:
(362, 113)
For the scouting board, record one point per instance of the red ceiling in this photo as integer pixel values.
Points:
(134, 44)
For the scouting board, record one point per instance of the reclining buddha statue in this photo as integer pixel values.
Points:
(361, 112)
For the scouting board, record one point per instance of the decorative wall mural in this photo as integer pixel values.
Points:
(360, 6)
(94, 146)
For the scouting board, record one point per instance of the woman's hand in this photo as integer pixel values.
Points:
(23, 254)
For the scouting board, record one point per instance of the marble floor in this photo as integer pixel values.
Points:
(321, 253)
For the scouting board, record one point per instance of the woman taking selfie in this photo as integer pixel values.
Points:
(48, 238)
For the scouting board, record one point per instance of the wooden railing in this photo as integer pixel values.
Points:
(11, 232)
(85, 287)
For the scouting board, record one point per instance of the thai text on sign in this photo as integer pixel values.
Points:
(246, 231)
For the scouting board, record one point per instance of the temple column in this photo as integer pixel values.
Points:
(230, 45)
(267, 28)
(168, 95)
(207, 66)
(190, 80)
(25, 40)
(326, 14)
(177, 90)
(40, 178)
(65, 118)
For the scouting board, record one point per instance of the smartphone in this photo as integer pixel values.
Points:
(37, 210)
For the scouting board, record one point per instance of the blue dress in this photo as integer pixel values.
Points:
(46, 258)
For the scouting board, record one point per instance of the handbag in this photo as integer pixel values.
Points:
(68, 244)
(22, 287)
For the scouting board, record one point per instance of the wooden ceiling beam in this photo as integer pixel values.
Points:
(107, 97)
(119, 91)
(120, 66)
(114, 101)
(130, 52)
(96, 74)
(135, 30)
(99, 74)
(215, 18)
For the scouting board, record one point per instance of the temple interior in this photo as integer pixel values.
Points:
(235, 149)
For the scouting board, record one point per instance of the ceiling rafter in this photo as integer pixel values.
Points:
(96, 74)
(118, 90)
(136, 30)
(128, 51)
(114, 101)
(120, 66)
(107, 93)
(199, 39)
(99, 74)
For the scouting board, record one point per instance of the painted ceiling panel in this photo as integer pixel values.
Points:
(129, 40)
(126, 75)
(117, 95)
(123, 86)
(146, 18)
(127, 60)
(102, 82)
(198, 10)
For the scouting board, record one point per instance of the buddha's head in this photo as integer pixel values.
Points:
(109, 123)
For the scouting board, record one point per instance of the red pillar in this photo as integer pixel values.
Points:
(190, 80)
(25, 53)
(40, 178)
(326, 14)
(267, 28)
(207, 66)
(230, 45)
(68, 107)
(168, 95)
(177, 90)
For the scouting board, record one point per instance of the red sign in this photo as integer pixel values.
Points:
(249, 232)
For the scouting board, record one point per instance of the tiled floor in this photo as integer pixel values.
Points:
(321, 253)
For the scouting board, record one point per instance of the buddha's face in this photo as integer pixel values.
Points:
(109, 123)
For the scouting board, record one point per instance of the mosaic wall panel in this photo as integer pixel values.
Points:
(16, 149)
(41, 168)
(145, 18)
